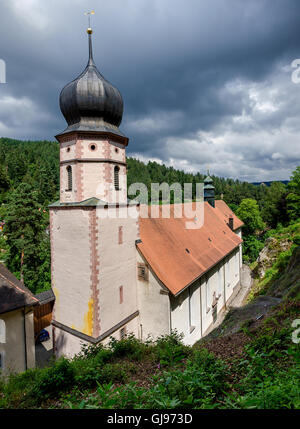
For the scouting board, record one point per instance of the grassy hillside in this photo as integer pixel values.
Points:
(250, 361)
(253, 368)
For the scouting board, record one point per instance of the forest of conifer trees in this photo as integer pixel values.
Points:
(29, 182)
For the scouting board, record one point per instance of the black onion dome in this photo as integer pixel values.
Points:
(90, 102)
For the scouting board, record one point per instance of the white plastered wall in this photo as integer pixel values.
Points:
(191, 313)
(66, 344)
(153, 305)
(13, 349)
(117, 267)
(71, 270)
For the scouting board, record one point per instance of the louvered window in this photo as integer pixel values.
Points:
(69, 172)
(116, 178)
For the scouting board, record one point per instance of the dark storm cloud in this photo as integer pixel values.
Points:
(178, 65)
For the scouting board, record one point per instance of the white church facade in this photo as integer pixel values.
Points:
(114, 274)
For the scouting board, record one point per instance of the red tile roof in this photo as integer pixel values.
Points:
(224, 212)
(178, 256)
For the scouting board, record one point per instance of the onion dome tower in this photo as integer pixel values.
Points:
(92, 148)
(209, 190)
(90, 102)
(93, 251)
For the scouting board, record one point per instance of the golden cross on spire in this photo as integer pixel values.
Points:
(88, 14)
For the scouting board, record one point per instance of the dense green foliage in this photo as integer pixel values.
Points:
(167, 374)
(36, 164)
(27, 242)
(282, 278)
(293, 198)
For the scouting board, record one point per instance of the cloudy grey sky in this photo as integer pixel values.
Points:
(204, 82)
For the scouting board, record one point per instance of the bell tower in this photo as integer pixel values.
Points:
(92, 148)
(92, 235)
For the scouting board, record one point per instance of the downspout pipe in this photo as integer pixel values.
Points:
(201, 322)
(224, 271)
(25, 338)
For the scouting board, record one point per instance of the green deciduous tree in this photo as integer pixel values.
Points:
(293, 198)
(248, 211)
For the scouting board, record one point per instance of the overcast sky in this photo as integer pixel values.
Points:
(204, 82)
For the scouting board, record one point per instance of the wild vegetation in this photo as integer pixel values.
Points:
(261, 373)
(277, 270)
(255, 365)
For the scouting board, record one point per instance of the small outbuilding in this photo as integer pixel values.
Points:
(17, 347)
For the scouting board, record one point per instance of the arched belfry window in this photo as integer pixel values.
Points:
(116, 178)
(69, 171)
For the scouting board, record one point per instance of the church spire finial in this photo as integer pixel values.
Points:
(90, 102)
(88, 14)
(90, 32)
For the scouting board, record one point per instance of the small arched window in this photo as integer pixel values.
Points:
(69, 171)
(116, 178)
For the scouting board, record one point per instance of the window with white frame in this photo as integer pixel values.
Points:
(236, 264)
(228, 272)
(220, 281)
(192, 308)
(2, 332)
(207, 297)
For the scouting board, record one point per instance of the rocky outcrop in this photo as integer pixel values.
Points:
(288, 284)
(269, 254)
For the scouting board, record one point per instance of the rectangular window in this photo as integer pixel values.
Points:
(2, 332)
(143, 272)
(120, 234)
(207, 300)
(220, 280)
(228, 274)
(121, 294)
(70, 180)
(116, 178)
(237, 267)
(122, 333)
(192, 308)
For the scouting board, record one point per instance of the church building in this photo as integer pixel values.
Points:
(114, 274)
